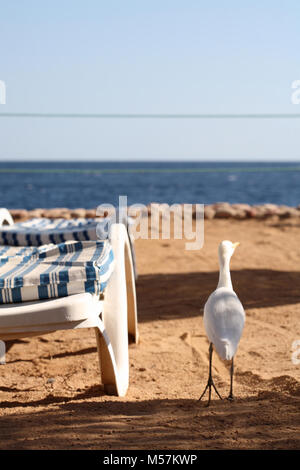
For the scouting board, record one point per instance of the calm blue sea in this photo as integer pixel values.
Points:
(88, 184)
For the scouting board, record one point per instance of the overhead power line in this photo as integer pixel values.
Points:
(151, 116)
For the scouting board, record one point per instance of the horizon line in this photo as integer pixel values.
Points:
(152, 160)
(236, 169)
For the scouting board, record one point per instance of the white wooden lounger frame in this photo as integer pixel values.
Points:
(113, 317)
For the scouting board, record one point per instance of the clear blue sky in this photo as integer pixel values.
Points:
(149, 56)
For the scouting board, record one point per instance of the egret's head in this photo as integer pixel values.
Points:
(226, 249)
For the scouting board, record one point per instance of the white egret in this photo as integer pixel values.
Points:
(224, 318)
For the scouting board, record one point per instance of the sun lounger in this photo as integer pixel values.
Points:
(110, 309)
(41, 231)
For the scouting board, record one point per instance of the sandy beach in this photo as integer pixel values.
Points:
(49, 389)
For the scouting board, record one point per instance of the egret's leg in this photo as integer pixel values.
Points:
(210, 382)
(230, 396)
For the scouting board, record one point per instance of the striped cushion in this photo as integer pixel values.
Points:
(37, 232)
(51, 271)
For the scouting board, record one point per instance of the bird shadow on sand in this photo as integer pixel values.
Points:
(170, 296)
(266, 421)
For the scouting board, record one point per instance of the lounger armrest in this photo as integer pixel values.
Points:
(5, 217)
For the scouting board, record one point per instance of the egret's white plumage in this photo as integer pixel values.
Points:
(224, 319)
(224, 316)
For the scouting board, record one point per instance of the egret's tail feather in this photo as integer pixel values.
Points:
(224, 349)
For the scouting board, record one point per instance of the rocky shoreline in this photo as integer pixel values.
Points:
(219, 210)
(224, 210)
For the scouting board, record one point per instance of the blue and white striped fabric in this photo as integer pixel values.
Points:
(51, 271)
(37, 232)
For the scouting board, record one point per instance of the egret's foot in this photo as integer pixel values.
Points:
(209, 386)
(230, 397)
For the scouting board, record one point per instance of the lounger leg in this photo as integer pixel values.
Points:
(2, 352)
(119, 317)
(131, 296)
(107, 364)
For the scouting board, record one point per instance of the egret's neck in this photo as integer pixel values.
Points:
(224, 276)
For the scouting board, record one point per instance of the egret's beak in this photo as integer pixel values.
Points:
(235, 245)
